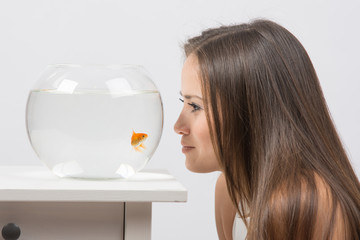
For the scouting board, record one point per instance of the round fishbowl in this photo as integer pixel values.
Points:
(94, 121)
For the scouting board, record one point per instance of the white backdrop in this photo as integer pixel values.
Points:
(150, 33)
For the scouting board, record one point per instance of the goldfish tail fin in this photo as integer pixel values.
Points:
(138, 149)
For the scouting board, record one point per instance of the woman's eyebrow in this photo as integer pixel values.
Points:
(190, 96)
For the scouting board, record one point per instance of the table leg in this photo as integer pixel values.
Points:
(137, 221)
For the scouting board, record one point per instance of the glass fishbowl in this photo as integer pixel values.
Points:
(94, 121)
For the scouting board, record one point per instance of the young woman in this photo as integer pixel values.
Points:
(254, 110)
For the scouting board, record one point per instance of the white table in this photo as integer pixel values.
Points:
(47, 207)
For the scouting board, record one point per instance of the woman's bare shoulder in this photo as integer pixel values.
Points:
(318, 196)
(224, 209)
(326, 205)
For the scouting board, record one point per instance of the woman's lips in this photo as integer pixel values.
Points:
(187, 149)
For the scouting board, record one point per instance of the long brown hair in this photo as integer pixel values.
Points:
(273, 134)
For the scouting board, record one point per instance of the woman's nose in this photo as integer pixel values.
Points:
(181, 127)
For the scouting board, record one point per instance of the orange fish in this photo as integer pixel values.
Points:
(137, 140)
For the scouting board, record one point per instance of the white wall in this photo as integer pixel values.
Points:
(38, 32)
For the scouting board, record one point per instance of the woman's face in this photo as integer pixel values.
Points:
(192, 123)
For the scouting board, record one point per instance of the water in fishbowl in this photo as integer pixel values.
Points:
(94, 133)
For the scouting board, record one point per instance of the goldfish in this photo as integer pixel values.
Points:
(137, 140)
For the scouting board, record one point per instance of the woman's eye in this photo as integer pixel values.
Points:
(195, 107)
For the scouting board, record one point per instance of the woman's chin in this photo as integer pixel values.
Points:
(199, 168)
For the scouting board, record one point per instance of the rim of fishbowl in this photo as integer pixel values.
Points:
(111, 66)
